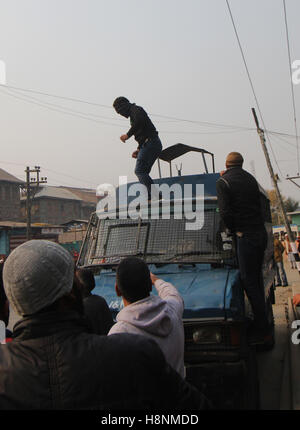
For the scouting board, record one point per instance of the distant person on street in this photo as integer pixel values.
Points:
(53, 361)
(96, 309)
(289, 252)
(157, 318)
(240, 209)
(149, 144)
(281, 279)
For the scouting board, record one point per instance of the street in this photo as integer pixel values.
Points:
(275, 373)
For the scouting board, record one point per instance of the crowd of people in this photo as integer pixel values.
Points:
(67, 353)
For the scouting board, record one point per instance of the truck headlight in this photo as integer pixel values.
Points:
(207, 335)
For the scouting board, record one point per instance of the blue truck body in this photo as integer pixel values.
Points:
(209, 282)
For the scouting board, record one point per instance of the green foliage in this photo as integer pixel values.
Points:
(290, 205)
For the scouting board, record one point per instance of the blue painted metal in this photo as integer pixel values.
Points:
(208, 180)
(207, 292)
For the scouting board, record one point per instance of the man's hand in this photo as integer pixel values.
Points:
(153, 278)
(296, 300)
(124, 137)
(135, 153)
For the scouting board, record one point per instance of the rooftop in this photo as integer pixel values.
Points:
(54, 193)
(7, 177)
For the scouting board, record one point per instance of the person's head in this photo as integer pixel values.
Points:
(234, 159)
(133, 280)
(86, 280)
(122, 106)
(276, 235)
(39, 276)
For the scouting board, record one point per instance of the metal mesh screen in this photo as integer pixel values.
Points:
(157, 241)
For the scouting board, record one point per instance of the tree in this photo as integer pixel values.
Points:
(290, 205)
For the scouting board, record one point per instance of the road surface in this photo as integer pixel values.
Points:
(274, 366)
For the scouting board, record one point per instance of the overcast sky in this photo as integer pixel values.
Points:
(177, 58)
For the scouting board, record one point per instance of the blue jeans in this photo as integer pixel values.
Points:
(250, 253)
(280, 275)
(147, 156)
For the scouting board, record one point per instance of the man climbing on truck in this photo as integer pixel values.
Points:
(145, 133)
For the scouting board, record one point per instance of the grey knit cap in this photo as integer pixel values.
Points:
(36, 274)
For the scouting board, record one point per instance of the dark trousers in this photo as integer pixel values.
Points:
(250, 253)
(147, 156)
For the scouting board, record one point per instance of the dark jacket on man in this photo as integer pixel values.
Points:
(54, 363)
(239, 201)
(98, 314)
(141, 126)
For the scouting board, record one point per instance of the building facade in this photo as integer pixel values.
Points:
(59, 205)
(10, 205)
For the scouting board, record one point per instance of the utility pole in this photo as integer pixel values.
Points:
(280, 201)
(31, 183)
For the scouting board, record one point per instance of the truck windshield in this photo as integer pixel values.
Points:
(158, 241)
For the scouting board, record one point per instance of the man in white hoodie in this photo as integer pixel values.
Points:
(158, 318)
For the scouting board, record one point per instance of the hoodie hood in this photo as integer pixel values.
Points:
(151, 315)
(122, 106)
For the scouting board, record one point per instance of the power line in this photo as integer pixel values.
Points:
(87, 116)
(250, 80)
(285, 149)
(74, 99)
(292, 88)
(65, 111)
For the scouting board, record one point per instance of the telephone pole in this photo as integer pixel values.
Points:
(280, 201)
(32, 183)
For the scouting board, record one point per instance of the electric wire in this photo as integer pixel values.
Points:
(250, 81)
(291, 82)
(169, 118)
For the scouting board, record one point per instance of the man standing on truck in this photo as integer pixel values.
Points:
(240, 209)
(144, 132)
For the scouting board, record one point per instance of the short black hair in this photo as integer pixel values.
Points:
(133, 279)
(86, 279)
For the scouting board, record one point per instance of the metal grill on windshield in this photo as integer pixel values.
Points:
(155, 240)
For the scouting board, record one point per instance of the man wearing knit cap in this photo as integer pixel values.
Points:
(240, 209)
(149, 144)
(53, 361)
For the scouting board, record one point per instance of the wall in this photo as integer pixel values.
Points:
(55, 211)
(9, 201)
(296, 219)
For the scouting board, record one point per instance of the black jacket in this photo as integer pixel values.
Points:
(239, 201)
(53, 363)
(98, 314)
(141, 126)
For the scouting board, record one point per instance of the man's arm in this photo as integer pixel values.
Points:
(169, 293)
(226, 213)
